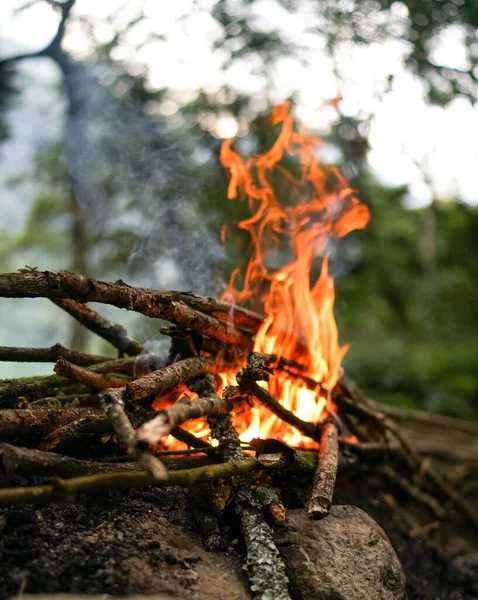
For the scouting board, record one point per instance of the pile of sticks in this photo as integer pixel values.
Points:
(104, 403)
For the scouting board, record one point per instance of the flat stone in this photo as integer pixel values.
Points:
(345, 556)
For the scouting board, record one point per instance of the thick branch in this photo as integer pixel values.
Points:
(265, 568)
(37, 421)
(326, 473)
(65, 490)
(169, 377)
(24, 461)
(233, 314)
(11, 389)
(146, 301)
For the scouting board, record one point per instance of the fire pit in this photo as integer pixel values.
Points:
(251, 401)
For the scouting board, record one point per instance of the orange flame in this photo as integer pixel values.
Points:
(302, 215)
(299, 323)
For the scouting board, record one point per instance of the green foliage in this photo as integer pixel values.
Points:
(412, 331)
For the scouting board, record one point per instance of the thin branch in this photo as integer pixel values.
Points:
(112, 402)
(52, 354)
(111, 332)
(182, 410)
(257, 370)
(414, 492)
(53, 47)
(426, 418)
(86, 376)
(65, 490)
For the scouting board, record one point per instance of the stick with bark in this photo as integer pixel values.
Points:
(64, 284)
(61, 490)
(257, 370)
(87, 377)
(52, 354)
(112, 402)
(26, 461)
(326, 473)
(229, 313)
(183, 410)
(77, 433)
(265, 568)
(115, 334)
(39, 421)
(167, 378)
(34, 387)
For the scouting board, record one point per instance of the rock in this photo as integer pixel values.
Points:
(345, 556)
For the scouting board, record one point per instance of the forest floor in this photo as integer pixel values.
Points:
(146, 542)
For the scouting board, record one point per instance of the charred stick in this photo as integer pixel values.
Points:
(167, 378)
(40, 421)
(190, 439)
(112, 402)
(257, 370)
(183, 410)
(65, 284)
(115, 334)
(25, 461)
(309, 429)
(326, 473)
(86, 376)
(51, 354)
(182, 342)
(64, 490)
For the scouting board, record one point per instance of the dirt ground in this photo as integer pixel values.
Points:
(146, 542)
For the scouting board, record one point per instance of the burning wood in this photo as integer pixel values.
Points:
(275, 378)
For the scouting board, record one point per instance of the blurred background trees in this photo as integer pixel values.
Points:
(130, 186)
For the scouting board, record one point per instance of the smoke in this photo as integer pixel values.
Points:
(141, 180)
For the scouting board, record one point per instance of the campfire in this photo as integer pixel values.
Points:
(252, 387)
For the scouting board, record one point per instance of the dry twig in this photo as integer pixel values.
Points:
(326, 473)
(182, 410)
(113, 405)
(86, 376)
(115, 334)
(61, 490)
(167, 378)
(51, 354)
